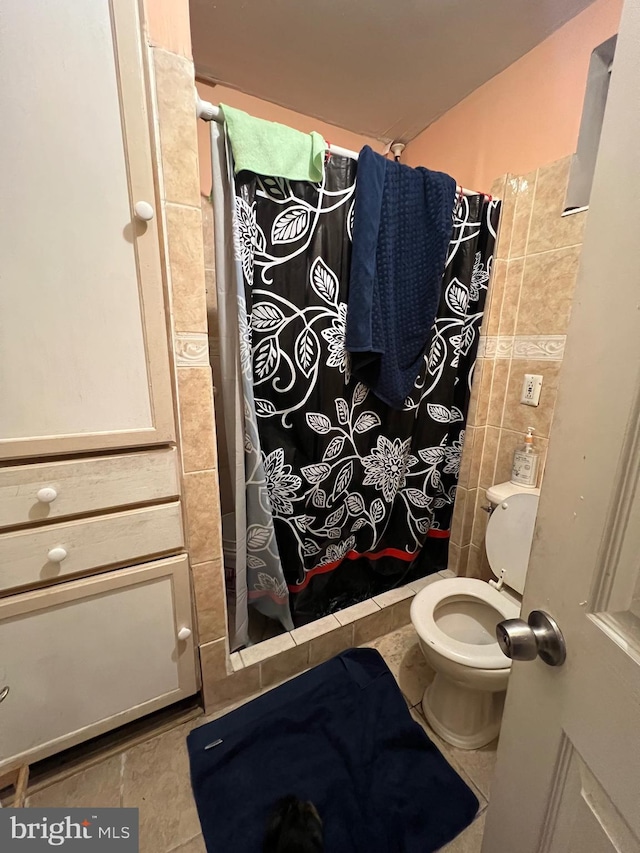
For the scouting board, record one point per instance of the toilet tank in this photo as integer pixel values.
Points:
(501, 491)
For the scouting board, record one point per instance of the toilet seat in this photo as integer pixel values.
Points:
(423, 616)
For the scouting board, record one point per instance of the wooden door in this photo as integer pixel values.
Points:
(568, 771)
(83, 342)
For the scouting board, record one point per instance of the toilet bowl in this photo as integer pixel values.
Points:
(455, 620)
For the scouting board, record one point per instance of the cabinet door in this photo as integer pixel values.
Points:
(84, 360)
(85, 657)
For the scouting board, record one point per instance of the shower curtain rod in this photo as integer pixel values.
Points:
(209, 112)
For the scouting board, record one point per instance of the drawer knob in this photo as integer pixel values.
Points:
(47, 495)
(184, 633)
(143, 211)
(56, 555)
(4, 693)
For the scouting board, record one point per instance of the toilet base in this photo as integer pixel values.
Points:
(462, 716)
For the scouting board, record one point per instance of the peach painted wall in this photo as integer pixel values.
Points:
(167, 25)
(270, 112)
(525, 117)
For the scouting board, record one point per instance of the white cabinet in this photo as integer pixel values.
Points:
(87, 656)
(88, 480)
(83, 340)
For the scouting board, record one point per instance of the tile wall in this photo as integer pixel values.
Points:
(172, 96)
(524, 330)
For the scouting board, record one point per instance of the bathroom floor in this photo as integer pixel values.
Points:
(154, 775)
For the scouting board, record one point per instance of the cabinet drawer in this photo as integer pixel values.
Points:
(87, 656)
(29, 557)
(54, 490)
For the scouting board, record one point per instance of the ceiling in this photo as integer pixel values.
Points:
(383, 68)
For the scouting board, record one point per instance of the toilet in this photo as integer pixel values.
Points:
(455, 620)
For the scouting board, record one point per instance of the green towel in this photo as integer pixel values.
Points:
(273, 149)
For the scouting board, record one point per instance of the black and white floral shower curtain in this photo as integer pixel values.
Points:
(355, 487)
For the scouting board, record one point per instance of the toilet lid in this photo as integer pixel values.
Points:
(509, 538)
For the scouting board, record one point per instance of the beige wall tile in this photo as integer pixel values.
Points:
(401, 612)
(236, 662)
(522, 218)
(549, 229)
(308, 632)
(547, 292)
(467, 453)
(511, 299)
(457, 520)
(517, 416)
(266, 649)
(469, 513)
(197, 427)
(474, 563)
(484, 392)
(175, 85)
(212, 303)
(186, 262)
(203, 516)
(508, 443)
(475, 391)
(96, 787)
(498, 391)
(489, 455)
(285, 665)
(213, 660)
(207, 233)
(326, 645)
(507, 215)
(210, 600)
(491, 320)
(395, 596)
(453, 557)
(480, 519)
(476, 459)
(167, 25)
(372, 626)
(243, 684)
(463, 559)
(357, 611)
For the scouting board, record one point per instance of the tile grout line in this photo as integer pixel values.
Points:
(544, 251)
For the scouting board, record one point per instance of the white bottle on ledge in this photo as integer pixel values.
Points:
(525, 463)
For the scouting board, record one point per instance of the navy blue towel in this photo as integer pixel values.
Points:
(340, 735)
(402, 226)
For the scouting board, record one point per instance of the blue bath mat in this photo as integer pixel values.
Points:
(340, 735)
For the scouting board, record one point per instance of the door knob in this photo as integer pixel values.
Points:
(184, 633)
(539, 637)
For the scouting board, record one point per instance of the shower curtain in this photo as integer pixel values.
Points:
(254, 571)
(354, 488)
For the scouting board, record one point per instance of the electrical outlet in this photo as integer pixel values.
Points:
(531, 389)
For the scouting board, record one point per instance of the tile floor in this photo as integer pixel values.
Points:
(154, 775)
